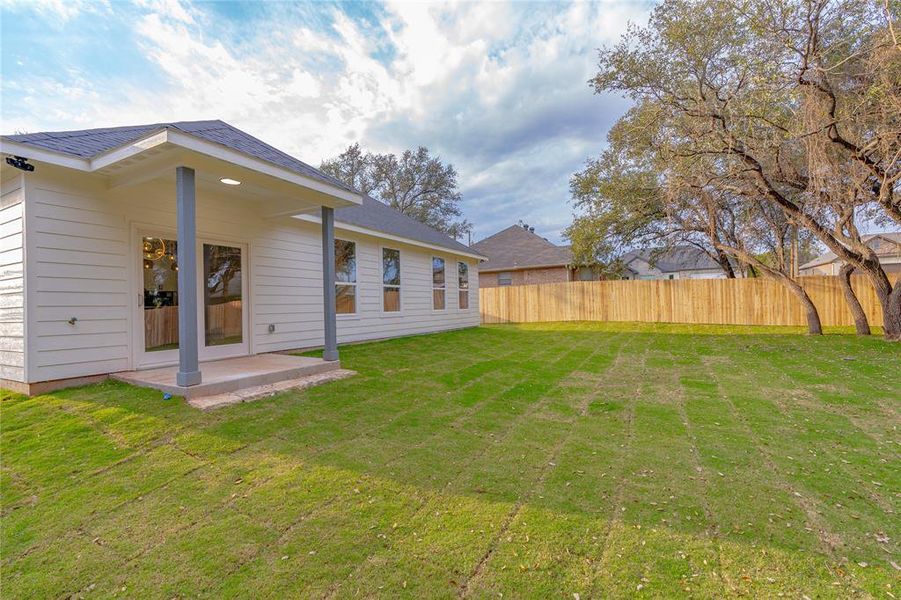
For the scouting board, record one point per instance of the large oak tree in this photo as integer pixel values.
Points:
(790, 105)
(414, 183)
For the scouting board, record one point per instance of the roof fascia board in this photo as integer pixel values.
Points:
(43, 155)
(390, 236)
(114, 155)
(221, 152)
(523, 268)
(183, 140)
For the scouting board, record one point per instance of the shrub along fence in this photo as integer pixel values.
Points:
(758, 301)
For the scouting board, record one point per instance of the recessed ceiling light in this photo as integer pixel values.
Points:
(228, 181)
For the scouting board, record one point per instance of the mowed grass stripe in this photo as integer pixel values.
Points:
(409, 527)
(436, 459)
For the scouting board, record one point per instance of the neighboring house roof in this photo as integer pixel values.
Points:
(518, 248)
(672, 260)
(371, 214)
(885, 244)
(378, 216)
(89, 143)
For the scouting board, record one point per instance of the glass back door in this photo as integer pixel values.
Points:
(222, 311)
(222, 287)
(159, 298)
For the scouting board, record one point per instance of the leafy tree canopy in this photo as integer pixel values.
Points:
(753, 119)
(414, 183)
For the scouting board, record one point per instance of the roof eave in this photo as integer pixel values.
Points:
(818, 262)
(392, 236)
(523, 267)
(222, 152)
(166, 135)
(13, 148)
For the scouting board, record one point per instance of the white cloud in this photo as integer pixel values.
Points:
(169, 9)
(499, 89)
(58, 11)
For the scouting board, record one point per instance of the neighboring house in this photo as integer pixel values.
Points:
(679, 262)
(91, 254)
(518, 256)
(886, 245)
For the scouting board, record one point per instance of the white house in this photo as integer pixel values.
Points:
(134, 247)
(678, 262)
(886, 245)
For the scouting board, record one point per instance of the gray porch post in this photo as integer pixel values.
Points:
(188, 367)
(330, 350)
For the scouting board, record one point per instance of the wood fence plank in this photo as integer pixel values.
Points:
(756, 301)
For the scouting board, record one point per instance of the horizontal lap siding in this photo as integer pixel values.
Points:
(287, 284)
(288, 290)
(416, 314)
(12, 281)
(83, 258)
(78, 249)
(82, 255)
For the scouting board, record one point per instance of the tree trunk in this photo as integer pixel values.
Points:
(723, 260)
(814, 327)
(891, 310)
(894, 308)
(861, 325)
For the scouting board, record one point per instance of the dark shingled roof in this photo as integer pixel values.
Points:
(372, 214)
(376, 215)
(518, 248)
(88, 143)
(678, 258)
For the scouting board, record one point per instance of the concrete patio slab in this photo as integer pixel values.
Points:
(265, 391)
(232, 374)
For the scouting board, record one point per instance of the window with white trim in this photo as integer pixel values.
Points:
(439, 286)
(345, 277)
(463, 284)
(505, 278)
(390, 280)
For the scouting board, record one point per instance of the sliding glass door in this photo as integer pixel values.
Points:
(222, 287)
(222, 307)
(158, 298)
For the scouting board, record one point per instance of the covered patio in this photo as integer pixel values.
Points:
(228, 167)
(233, 380)
(219, 160)
(166, 249)
(286, 194)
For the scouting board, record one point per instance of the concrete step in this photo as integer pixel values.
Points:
(232, 374)
(268, 390)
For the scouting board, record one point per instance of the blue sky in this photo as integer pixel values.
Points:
(497, 89)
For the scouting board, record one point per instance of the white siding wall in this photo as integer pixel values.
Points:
(416, 314)
(12, 280)
(702, 274)
(83, 257)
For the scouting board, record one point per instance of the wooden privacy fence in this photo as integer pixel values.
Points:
(161, 324)
(756, 301)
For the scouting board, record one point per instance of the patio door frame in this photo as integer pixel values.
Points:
(141, 359)
(226, 350)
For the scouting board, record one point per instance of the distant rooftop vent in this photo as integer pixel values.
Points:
(526, 226)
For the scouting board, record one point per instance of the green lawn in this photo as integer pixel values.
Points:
(604, 460)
